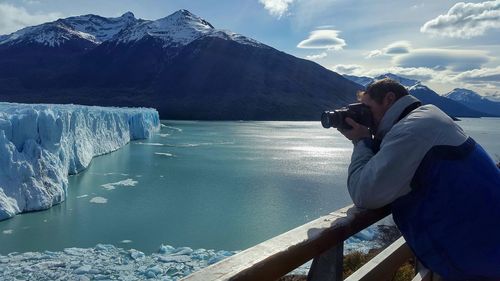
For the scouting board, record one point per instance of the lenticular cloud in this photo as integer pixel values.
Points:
(465, 20)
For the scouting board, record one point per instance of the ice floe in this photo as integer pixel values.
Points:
(107, 262)
(99, 200)
(127, 183)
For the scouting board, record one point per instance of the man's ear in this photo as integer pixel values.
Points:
(390, 98)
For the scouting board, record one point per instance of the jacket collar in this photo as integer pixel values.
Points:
(392, 115)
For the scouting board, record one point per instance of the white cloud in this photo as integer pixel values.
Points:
(480, 76)
(440, 59)
(317, 57)
(13, 18)
(276, 7)
(485, 81)
(347, 68)
(323, 39)
(399, 47)
(465, 20)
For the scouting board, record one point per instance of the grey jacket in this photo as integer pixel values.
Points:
(376, 180)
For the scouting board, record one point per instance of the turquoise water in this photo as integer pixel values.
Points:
(214, 185)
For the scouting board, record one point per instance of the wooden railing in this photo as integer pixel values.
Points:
(320, 240)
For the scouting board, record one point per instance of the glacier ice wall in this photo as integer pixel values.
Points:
(40, 144)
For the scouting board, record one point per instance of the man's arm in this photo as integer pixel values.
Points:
(376, 180)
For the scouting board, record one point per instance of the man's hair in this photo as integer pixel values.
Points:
(378, 89)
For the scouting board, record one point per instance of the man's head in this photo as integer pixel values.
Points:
(380, 96)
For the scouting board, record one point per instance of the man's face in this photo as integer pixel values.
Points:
(378, 110)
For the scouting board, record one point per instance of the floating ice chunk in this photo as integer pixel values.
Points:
(7, 231)
(153, 271)
(174, 258)
(127, 182)
(366, 234)
(149, 143)
(99, 200)
(171, 128)
(83, 269)
(41, 144)
(183, 251)
(82, 196)
(136, 255)
(164, 154)
(126, 241)
(166, 249)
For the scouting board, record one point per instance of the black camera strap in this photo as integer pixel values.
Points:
(407, 110)
(376, 142)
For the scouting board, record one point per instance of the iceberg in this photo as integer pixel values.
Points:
(41, 144)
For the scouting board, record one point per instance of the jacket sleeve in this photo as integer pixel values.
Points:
(376, 180)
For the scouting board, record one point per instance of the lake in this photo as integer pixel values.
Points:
(213, 185)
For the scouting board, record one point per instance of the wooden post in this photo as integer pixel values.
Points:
(328, 266)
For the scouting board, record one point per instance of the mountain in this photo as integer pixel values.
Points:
(361, 80)
(365, 81)
(474, 101)
(427, 96)
(402, 80)
(180, 65)
(451, 107)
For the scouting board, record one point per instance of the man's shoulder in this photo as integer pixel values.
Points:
(427, 115)
(431, 123)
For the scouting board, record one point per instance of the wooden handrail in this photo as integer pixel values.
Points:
(279, 255)
(384, 265)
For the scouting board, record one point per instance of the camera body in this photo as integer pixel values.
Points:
(356, 111)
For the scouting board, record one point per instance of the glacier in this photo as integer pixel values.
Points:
(41, 144)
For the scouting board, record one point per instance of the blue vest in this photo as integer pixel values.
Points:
(451, 218)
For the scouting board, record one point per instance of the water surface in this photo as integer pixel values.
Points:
(214, 185)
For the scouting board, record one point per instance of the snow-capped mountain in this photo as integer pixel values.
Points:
(361, 80)
(425, 95)
(365, 80)
(402, 80)
(451, 107)
(474, 101)
(87, 28)
(180, 64)
(463, 95)
(177, 29)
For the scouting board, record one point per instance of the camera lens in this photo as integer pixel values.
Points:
(325, 119)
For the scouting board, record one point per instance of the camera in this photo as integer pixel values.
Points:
(356, 111)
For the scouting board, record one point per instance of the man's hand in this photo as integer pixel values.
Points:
(357, 132)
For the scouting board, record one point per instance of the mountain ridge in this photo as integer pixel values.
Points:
(428, 96)
(474, 101)
(186, 69)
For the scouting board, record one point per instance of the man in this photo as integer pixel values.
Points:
(444, 190)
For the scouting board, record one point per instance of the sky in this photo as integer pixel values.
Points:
(445, 44)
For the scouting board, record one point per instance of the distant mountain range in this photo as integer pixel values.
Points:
(180, 65)
(474, 101)
(459, 102)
